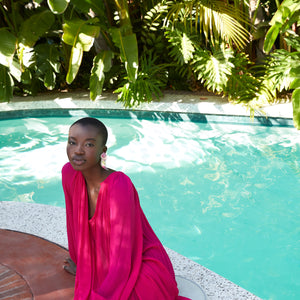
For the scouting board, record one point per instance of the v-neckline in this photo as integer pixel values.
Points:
(90, 219)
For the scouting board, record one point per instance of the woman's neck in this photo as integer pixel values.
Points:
(94, 177)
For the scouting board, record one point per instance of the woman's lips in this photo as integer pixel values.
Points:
(78, 161)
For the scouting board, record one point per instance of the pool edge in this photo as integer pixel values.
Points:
(171, 102)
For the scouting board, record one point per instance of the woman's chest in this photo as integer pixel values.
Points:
(93, 197)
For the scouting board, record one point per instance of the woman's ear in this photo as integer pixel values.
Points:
(104, 149)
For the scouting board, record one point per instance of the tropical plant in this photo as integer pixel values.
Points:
(214, 20)
(283, 66)
(112, 22)
(196, 48)
(26, 41)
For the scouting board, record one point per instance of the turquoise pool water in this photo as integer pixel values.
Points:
(225, 195)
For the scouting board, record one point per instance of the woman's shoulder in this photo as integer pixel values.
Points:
(118, 175)
(121, 188)
(119, 178)
(68, 172)
(67, 168)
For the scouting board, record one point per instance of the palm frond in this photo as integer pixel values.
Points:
(215, 19)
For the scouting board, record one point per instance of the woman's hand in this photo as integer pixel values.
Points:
(70, 266)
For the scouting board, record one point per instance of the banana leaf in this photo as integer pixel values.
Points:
(102, 63)
(80, 35)
(6, 84)
(7, 47)
(74, 64)
(128, 51)
(35, 27)
(287, 14)
(97, 6)
(58, 6)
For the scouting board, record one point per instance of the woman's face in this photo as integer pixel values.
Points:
(84, 148)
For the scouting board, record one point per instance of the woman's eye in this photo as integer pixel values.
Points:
(90, 145)
(71, 143)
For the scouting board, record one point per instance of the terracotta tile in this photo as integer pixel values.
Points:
(35, 263)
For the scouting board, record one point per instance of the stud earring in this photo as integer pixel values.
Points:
(103, 160)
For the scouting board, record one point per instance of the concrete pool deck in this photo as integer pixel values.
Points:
(49, 222)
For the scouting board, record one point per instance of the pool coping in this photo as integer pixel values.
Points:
(49, 222)
(180, 103)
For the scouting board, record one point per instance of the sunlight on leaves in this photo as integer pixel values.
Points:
(58, 6)
(7, 47)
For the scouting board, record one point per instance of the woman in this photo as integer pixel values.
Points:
(114, 252)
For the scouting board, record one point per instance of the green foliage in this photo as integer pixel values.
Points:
(102, 63)
(283, 67)
(287, 14)
(213, 67)
(152, 39)
(128, 51)
(58, 6)
(47, 64)
(181, 46)
(296, 106)
(242, 85)
(80, 35)
(35, 27)
(150, 80)
(6, 81)
(153, 16)
(214, 19)
(24, 32)
(97, 6)
(7, 47)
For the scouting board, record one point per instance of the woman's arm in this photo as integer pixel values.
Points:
(126, 240)
(67, 179)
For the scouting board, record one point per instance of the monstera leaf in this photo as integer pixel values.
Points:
(80, 35)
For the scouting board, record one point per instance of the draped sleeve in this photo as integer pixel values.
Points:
(126, 238)
(68, 174)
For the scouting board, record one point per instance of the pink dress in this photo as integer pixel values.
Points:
(118, 255)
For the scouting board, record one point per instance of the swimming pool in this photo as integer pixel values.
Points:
(221, 193)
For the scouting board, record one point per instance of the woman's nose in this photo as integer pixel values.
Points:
(79, 149)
